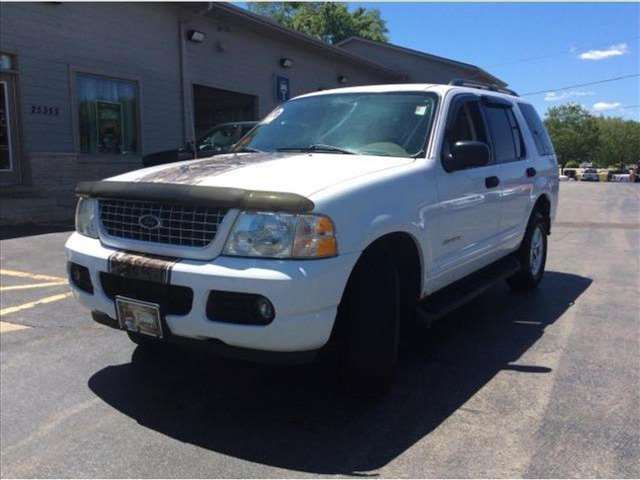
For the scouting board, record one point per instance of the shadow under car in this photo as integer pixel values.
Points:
(297, 418)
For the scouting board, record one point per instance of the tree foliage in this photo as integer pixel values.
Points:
(574, 133)
(619, 143)
(579, 137)
(327, 21)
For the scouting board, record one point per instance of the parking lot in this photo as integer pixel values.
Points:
(542, 384)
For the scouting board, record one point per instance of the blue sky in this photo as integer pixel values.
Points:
(580, 43)
(565, 44)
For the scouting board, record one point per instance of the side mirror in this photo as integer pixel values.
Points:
(467, 154)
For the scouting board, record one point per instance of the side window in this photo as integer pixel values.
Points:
(505, 133)
(536, 127)
(467, 125)
(517, 134)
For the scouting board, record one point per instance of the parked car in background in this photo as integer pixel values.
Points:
(590, 175)
(218, 140)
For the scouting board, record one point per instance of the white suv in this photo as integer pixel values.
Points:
(340, 221)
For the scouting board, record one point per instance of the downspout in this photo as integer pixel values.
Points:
(188, 126)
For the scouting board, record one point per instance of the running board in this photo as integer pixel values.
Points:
(446, 300)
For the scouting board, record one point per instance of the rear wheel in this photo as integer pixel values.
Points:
(532, 255)
(370, 312)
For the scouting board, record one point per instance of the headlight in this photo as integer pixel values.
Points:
(86, 213)
(281, 235)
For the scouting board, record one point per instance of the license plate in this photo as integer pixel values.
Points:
(138, 316)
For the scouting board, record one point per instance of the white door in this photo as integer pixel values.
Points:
(517, 175)
(468, 201)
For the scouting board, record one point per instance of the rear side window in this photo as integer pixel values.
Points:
(536, 127)
(505, 133)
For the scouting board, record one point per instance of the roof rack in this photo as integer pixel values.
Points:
(461, 82)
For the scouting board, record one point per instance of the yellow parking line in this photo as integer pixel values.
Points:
(11, 327)
(32, 276)
(25, 306)
(32, 285)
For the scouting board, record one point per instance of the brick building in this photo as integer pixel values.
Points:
(86, 89)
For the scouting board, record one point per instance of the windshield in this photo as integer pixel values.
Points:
(389, 124)
(223, 136)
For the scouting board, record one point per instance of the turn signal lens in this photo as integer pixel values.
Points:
(315, 237)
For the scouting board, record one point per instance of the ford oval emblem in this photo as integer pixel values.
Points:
(149, 222)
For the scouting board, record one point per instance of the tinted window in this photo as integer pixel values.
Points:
(539, 133)
(517, 134)
(467, 125)
(504, 147)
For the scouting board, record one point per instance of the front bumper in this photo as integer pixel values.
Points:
(305, 294)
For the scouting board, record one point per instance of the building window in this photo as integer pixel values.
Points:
(6, 62)
(108, 114)
(5, 129)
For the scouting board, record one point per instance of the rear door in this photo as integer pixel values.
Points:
(468, 200)
(515, 169)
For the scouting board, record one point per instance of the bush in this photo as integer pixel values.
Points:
(572, 164)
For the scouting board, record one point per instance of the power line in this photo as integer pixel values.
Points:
(606, 80)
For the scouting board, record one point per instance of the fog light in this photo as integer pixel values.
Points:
(80, 277)
(240, 308)
(265, 308)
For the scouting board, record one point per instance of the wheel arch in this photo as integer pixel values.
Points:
(406, 251)
(543, 205)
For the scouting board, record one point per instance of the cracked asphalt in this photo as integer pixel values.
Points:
(542, 384)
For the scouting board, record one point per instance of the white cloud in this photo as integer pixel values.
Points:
(603, 106)
(557, 96)
(612, 51)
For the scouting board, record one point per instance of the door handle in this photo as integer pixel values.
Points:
(491, 182)
(531, 172)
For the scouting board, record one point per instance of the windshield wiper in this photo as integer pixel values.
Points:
(317, 147)
(247, 150)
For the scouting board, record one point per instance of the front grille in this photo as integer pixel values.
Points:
(161, 222)
(173, 299)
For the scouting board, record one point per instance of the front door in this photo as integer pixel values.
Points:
(9, 148)
(468, 202)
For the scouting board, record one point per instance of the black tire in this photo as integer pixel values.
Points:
(531, 264)
(370, 316)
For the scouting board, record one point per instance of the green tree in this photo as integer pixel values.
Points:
(571, 164)
(327, 21)
(574, 132)
(619, 142)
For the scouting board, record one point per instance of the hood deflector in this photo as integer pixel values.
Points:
(197, 195)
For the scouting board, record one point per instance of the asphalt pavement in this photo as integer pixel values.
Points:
(540, 384)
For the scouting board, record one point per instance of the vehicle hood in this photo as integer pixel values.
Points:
(301, 173)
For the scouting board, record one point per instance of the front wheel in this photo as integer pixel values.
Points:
(532, 255)
(370, 311)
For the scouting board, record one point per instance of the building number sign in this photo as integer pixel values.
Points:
(45, 110)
